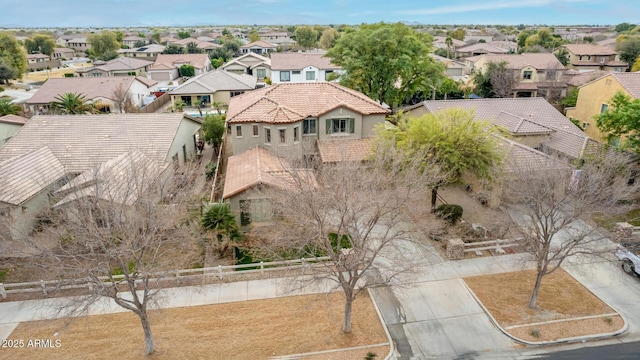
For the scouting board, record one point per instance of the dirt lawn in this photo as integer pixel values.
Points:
(561, 297)
(243, 330)
(53, 73)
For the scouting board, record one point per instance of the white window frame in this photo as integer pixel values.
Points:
(315, 126)
(239, 131)
(255, 130)
(288, 77)
(312, 73)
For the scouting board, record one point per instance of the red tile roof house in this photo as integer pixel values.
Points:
(97, 89)
(297, 119)
(536, 74)
(301, 67)
(166, 66)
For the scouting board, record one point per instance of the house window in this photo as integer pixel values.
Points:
(267, 135)
(235, 93)
(186, 99)
(580, 57)
(261, 73)
(255, 130)
(283, 136)
(340, 126)
(296, 134)
(285, 76)
(584, 125)
(311, 75)
(238, 130)
(527, 75)
(604, 108)
(588, 57)
(309, 126)
(296, 72)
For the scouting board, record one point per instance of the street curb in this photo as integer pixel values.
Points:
(392, 349)
(576, 339)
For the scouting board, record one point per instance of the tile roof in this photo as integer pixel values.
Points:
(520, 157)
(291, 102)
(519, 125)
(259, 43)
(249, 60)
(332, 151)
(119, 63)
(217, 80)
(482, 46)
(121, 179)
(168, 61)
(298, 61)
(589, 49)
(583, 77)
(518, 61)
(37, 56)
(566, 138)
(258, 166)
(630, 81)
(25, 175)
(81, 142)
(13, 119)
(149, 48)
(90, 87)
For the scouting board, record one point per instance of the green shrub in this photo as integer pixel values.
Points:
(68, 74)
(449, 212)
(118, 270)
(370, 356)
(3, 274)
(210, 170)
(535, 333)
(1, 89)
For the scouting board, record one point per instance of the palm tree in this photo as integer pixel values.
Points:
(9, 108)
(449, 42)
(73, 103)
(219, 220)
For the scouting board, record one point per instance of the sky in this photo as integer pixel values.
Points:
(118, 13)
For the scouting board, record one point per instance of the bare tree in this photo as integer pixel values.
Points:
(548, 200)
(503, 81)
(113, 232)
(362, 215)
(123, 99)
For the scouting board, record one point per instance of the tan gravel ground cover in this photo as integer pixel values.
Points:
(561, 297)
(242, 330)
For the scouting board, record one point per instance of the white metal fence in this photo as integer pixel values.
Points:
(221, 272)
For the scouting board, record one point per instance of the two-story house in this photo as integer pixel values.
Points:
(301, 67)
(217, 86)
(535, 74)
(166, 67)
(589, 57)
(272, 129)
(259, 47)
(251, 63)
(131, 41)
(296, 118)
(63, 53)
(595, 96)
(149, 52)
(79, 44)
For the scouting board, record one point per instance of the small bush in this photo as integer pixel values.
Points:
(68, 74)
(608, 320)
(370, 356)
(3, 274)
(535, 333)
(449, 212)
(210, 170)
(1, 89)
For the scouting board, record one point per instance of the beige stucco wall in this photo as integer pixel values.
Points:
(22, 218)
(530, 140)
(290, 149)
(7, 131)
(590, 100)
(184, 136)
(340, 113)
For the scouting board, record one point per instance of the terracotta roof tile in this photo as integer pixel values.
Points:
(90, 87)
(259, 43)
(298, 61)
(258, 166)
(630, 81)
(300, 100)
(518, 61)
(589, 49)
(332, 151)
(168, 61)
(217, 80)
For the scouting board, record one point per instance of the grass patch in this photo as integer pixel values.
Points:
(608, 221)
(561, 297)
(256, 329)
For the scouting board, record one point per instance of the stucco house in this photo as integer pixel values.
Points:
(100, 90)
(63, 53)
(301, 67)
(255, 168)
(253, 64)
(590, 57)
(148, 52)
(536, 74)
(166, 67)
(120, 66)
(215, 86)
(532, 122)
(479, 49)
(291, 118)
(9, 125)
(131, 41)
(259, 47)
(79, 44)
(51, 150)
(594, 98)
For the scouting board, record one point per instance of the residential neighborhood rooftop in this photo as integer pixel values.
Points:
(298, 61)
(170, 61)
(291, 102)
(217, 80)
(13, 119)
(90, 87)
(333, 151)
(518, 61)
(589, 49)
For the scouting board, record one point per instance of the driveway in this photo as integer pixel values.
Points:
(18, 96)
